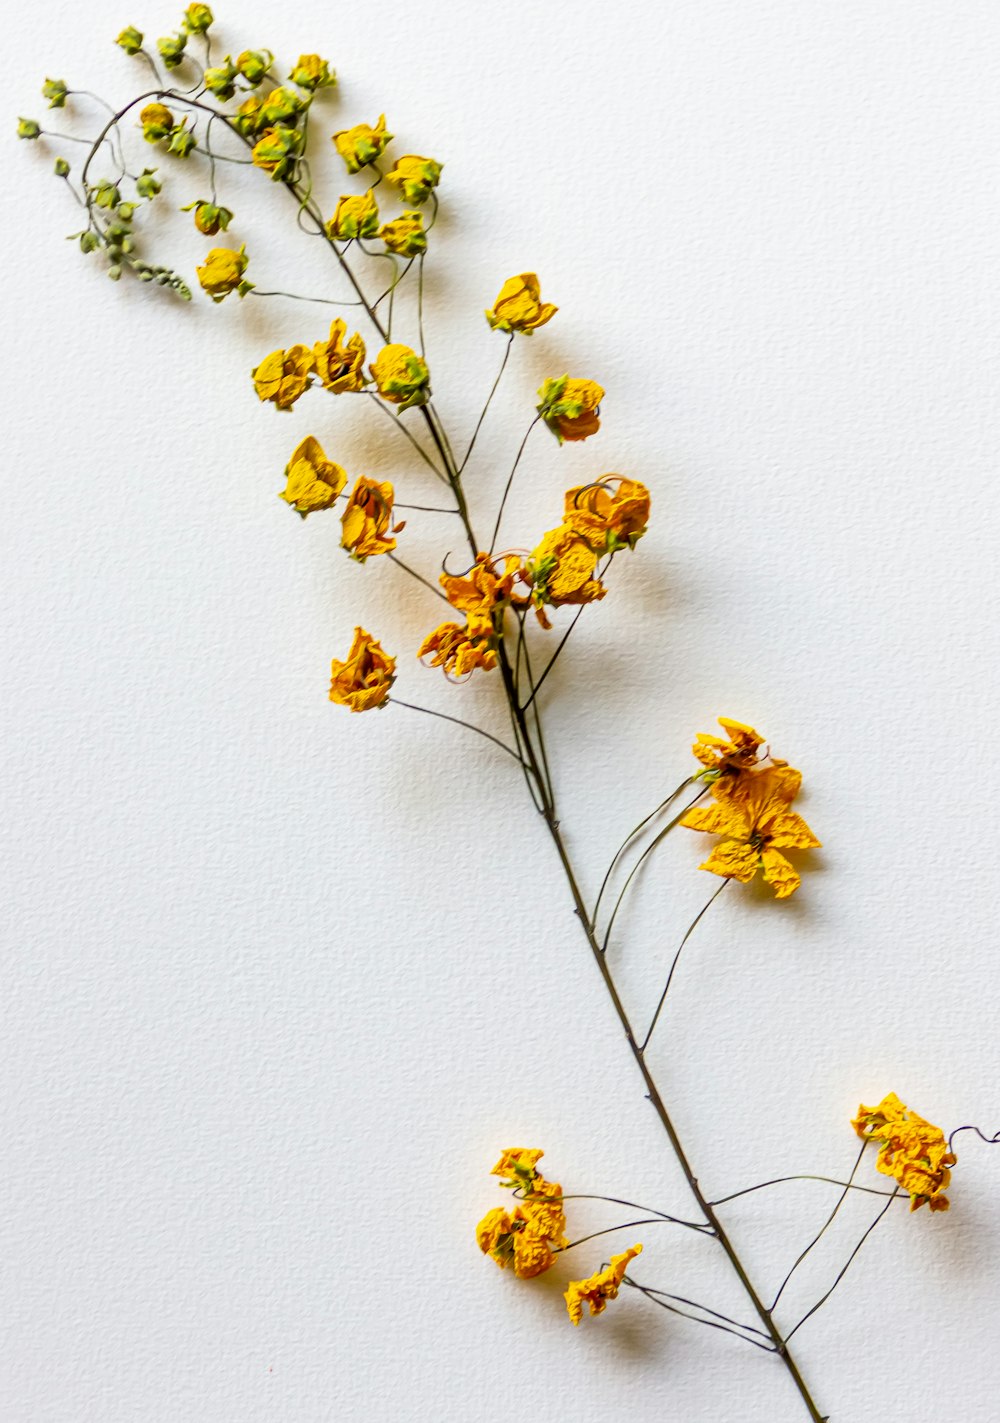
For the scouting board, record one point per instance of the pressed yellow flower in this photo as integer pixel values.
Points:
(494, 1225)
(736, 751)
(362, 682)
(223, 272)
(157, 122)
(753, 815)
(362, 144)
(280, 106)
(415, 177)
(312, 73)
(527, 1236)
(598, 1289)
(338, 362)
(542, 1208)
(452, 647)
(314, 482)
(276, 151)
(405, 235)
(562, 569)
(253, 64)
(519, 306)
(247, 116)
(284, 375)
(912, 1151)
(197, 19)
(569, 407)
(517, 1164)
(610, 514)
(356, 216)
(487, 586)
(401, 376)
(367, 518)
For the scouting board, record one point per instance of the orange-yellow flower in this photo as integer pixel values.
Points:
(736, 751)
(367, 520)
(753, 815)
(338, 362)
(362, 144)
(563, 570)
(401, 376)
(610, 514)
(487, 586)
(450, 646)
(416, 177)
(912, 1151)
(223, 272)
(519, 306)
(527, 1236)
(356, 216)
(598, 1289)
(314, 482)
(517, 1164)
(362, 682)
(283, 376)
(569, 407)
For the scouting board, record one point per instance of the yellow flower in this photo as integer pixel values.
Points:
(569, 407)
(363, 681)
(405, 235)
(283, 376)
(223, 273)
(276, 152)
(197, 19)
(610, 514)
(562, 569)
(314, 482)
(157, 122)
(367, 518)
(525, 1236)
(130, 40)
(253, 64)
(356, 216)
(452, 647)
(542, 1208)
(362, 144)
(736, 751)
(494, 1225)
(401, 376)
(912, 1151)
(338, 363)
(598, 1289)
(752, 814)
(312, 73)
(517, 1163)
(519, 306)
(280, 106)
(488, 585)
(247, 116)
(415, 177)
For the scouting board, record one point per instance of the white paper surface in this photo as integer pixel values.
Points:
(280, 982)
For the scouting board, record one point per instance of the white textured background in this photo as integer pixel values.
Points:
(279, 982)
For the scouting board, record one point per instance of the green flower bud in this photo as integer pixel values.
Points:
(147, 185)
(55, 91)
(182, 140)
(114, 272)
(311, 72)
(253, 64)
(220, 80)
(171, 49)
(208, 217)
(61, 168)
(89, 241)
(278, 107)
(197, 19)
(106, 194)
(130, 40)
(126, 211)
(28, 128)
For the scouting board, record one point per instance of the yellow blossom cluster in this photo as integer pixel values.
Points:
(911, 1150)
(482, 594)
(527, 1236)
(751, 812)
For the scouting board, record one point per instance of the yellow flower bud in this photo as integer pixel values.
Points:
(405, 235)
(338, 363)
(130, 40)
(283, 376)
(356, 216)
(253, 64)
(313, 481)
(362, 144)
(563, 569)
(367, 520)
(209, 218)
(172, 49)
(279, 106)
(401, 376)
(609, 514)
(55, 91)
(157, 122)
(276, 151)
(415, 177)
(312, 73)
(28, 128)
(198, 19)
(362, 682)
(569, 407)
(223, 273)
(221, 79)
(519, 306)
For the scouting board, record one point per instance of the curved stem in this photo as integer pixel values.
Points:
(677, 958)
(780, 1180)
(510, 481)
(443, 716)
(489, 400)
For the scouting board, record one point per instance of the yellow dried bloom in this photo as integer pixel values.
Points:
(517, 1164)
(314, 482)
(532, 1255)
(247, 116)
(338, 363)
(598, 1289)
(415, 177)
(362, 144)
(401, 376)
(610, 514)
(197, 19)
(276, 151)
(362, 682)
(280, 106)
(356, 216)
(487, 587)
(912, 1151)
(311, 72)
(405, 235)
(494, 1225)
(562, 569)
(526, 1236)
(752, 814)
(253, 64)
(452, 647)
(569, 407)
(367, 518)
(543, 1210)
(283, 376)
(736, 751)
(223, 273)
(157, 122)
(519, 306)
